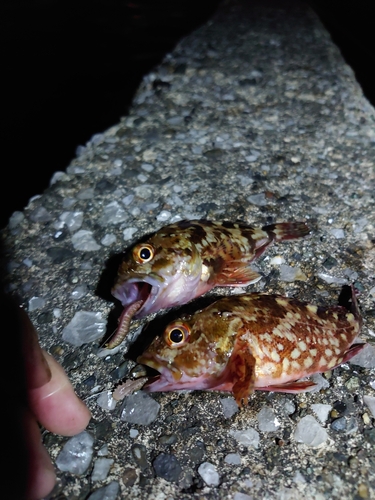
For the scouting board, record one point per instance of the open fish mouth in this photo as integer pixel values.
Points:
(141, 288)
(138, 296)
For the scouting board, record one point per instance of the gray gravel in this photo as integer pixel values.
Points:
(256, 117)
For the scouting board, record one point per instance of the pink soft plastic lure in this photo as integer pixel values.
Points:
(255, 341)
(184, 260)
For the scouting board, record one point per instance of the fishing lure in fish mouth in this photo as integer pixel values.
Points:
(254, 342)
(184, 260)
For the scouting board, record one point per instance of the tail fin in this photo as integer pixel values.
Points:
(287, 230)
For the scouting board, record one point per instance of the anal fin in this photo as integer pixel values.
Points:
(294, 387)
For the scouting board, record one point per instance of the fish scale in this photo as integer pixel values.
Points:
(254, 341)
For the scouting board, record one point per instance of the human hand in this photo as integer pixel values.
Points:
(51, 401)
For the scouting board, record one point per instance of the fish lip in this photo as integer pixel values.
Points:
(142, 287)
(168, 373)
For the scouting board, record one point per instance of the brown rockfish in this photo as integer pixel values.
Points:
(255, 341)
(184, 260)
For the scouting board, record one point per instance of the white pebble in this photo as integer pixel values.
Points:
(85, 327)
(36, 303)
(247, 437)
(118, 162)
(108, 240)
(129, 232)
(106, 401)
(84, 241)
(164, 215)
(233, 459)
(147, 167)
(338, 233)
(267, 420)
(209, 474)
(76, 455)
(310, 432)
(321, 411)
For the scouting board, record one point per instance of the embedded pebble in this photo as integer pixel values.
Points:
(338, 233)
(103, 451)
(321, 411)
(16, 219)
(365, 358)
(140, 408)
(76, 454)
(370, 403)
(129, 232)
(299, 478)
(40, 214)
(108, 240)
(230, 407)
(360, 224)
(36, 303)
(258, 199)
(147, 167)
(209, 474)
(267, 420)
(242, 496)
(127, 200)
(164, 215)
(332, 279)
(320, 381)
(109, 492)
(310, 432)
(339, 424)
(233, 459)
(247, 437)
(86, 194)
(106, 401)
(101, 469)
(168, 467)
(72, 220)
(85, 327)
(133, 433)
(290, 274)
(113, 213)
(84, 240)
(79, 292)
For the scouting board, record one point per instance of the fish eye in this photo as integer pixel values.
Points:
(176, 334)
(143, 253)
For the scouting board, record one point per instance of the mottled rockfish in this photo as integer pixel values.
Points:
(184, 260)
(255, 341)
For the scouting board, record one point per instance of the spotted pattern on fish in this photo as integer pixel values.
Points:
(256, 341)
(188, 258)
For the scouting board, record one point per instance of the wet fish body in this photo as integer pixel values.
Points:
(184, 260)
(254, 342)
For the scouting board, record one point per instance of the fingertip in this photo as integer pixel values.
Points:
(56, 406)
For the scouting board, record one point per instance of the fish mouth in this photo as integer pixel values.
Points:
(141, 288)
(167, 377)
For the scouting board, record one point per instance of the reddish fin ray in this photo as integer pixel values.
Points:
(294, 387)
(237, 274)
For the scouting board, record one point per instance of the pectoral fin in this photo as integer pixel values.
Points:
(242, 371)
(237, 274)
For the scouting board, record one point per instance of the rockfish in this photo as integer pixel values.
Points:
(254, 342)
(184, 260)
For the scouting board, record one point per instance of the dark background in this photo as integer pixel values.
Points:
(70, 69)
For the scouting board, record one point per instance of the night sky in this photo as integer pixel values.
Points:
(70, 70)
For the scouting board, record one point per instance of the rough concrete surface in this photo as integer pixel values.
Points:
(254, 117)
